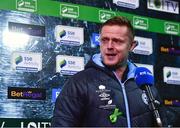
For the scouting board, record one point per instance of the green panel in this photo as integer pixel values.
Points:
(8, 4)
(92, 14)
(48, 8)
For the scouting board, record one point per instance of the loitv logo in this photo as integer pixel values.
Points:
(26, 93)
(169, 6)
(25, 123)
(36, 125)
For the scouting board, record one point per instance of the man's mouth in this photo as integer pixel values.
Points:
(110, 54)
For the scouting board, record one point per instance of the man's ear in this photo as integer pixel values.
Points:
(133, 45)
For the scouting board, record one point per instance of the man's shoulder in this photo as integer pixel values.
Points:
(90, 72)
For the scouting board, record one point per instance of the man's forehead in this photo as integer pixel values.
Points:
(120, 31)
(114, 29)
(114, 26)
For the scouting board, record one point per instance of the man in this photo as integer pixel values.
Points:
(105, 93)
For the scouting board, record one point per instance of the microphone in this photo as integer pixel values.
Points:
(144, 79)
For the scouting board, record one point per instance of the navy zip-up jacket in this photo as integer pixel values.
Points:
(91, 97)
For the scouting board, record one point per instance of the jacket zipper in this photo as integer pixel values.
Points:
(126, 105)
(125, 100)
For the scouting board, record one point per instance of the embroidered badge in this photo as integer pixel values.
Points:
(113, 117)
(102, 87)
(144, 98)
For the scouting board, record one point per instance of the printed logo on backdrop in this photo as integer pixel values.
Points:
(144, 46)
(172, 102)
(170, 50)
(67, 35)
(55, 93)
(26, 61)
(26, 5)
(25, 123)
(140, 23)
(26, 93)
(105, 15)
(70, 11)
(169, 6)
(133, 4)
(33, 30)
(148, 66)
(171, 28)
(171, 75)
(69, 65)
(95, 40)
(31, 124)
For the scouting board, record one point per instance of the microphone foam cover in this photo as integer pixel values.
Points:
(143, 76)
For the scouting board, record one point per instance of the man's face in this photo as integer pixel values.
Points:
(115, 44)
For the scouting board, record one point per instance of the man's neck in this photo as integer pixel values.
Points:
(120, 71)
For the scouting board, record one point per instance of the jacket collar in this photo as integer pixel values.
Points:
(97, 59)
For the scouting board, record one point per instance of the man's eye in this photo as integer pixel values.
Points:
(117, 41)
(104, 40)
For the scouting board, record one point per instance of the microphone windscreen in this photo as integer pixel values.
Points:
(143, 76)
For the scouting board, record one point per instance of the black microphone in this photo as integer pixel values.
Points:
(144, 79)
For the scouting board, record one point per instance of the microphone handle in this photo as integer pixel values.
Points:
(151, 101)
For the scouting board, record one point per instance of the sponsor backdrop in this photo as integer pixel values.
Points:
(44, 42)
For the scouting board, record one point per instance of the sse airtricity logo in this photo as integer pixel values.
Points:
(62, 63)
(21, 3)
(18, 60)
(168, 74)
(62, 33)
(69, 65)
(171, 75)
(27, 5)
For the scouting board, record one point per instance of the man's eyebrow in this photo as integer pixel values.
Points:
(117, 39)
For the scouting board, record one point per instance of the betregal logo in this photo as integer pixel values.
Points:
(26, 93)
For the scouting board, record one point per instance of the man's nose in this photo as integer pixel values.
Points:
(110, 45)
